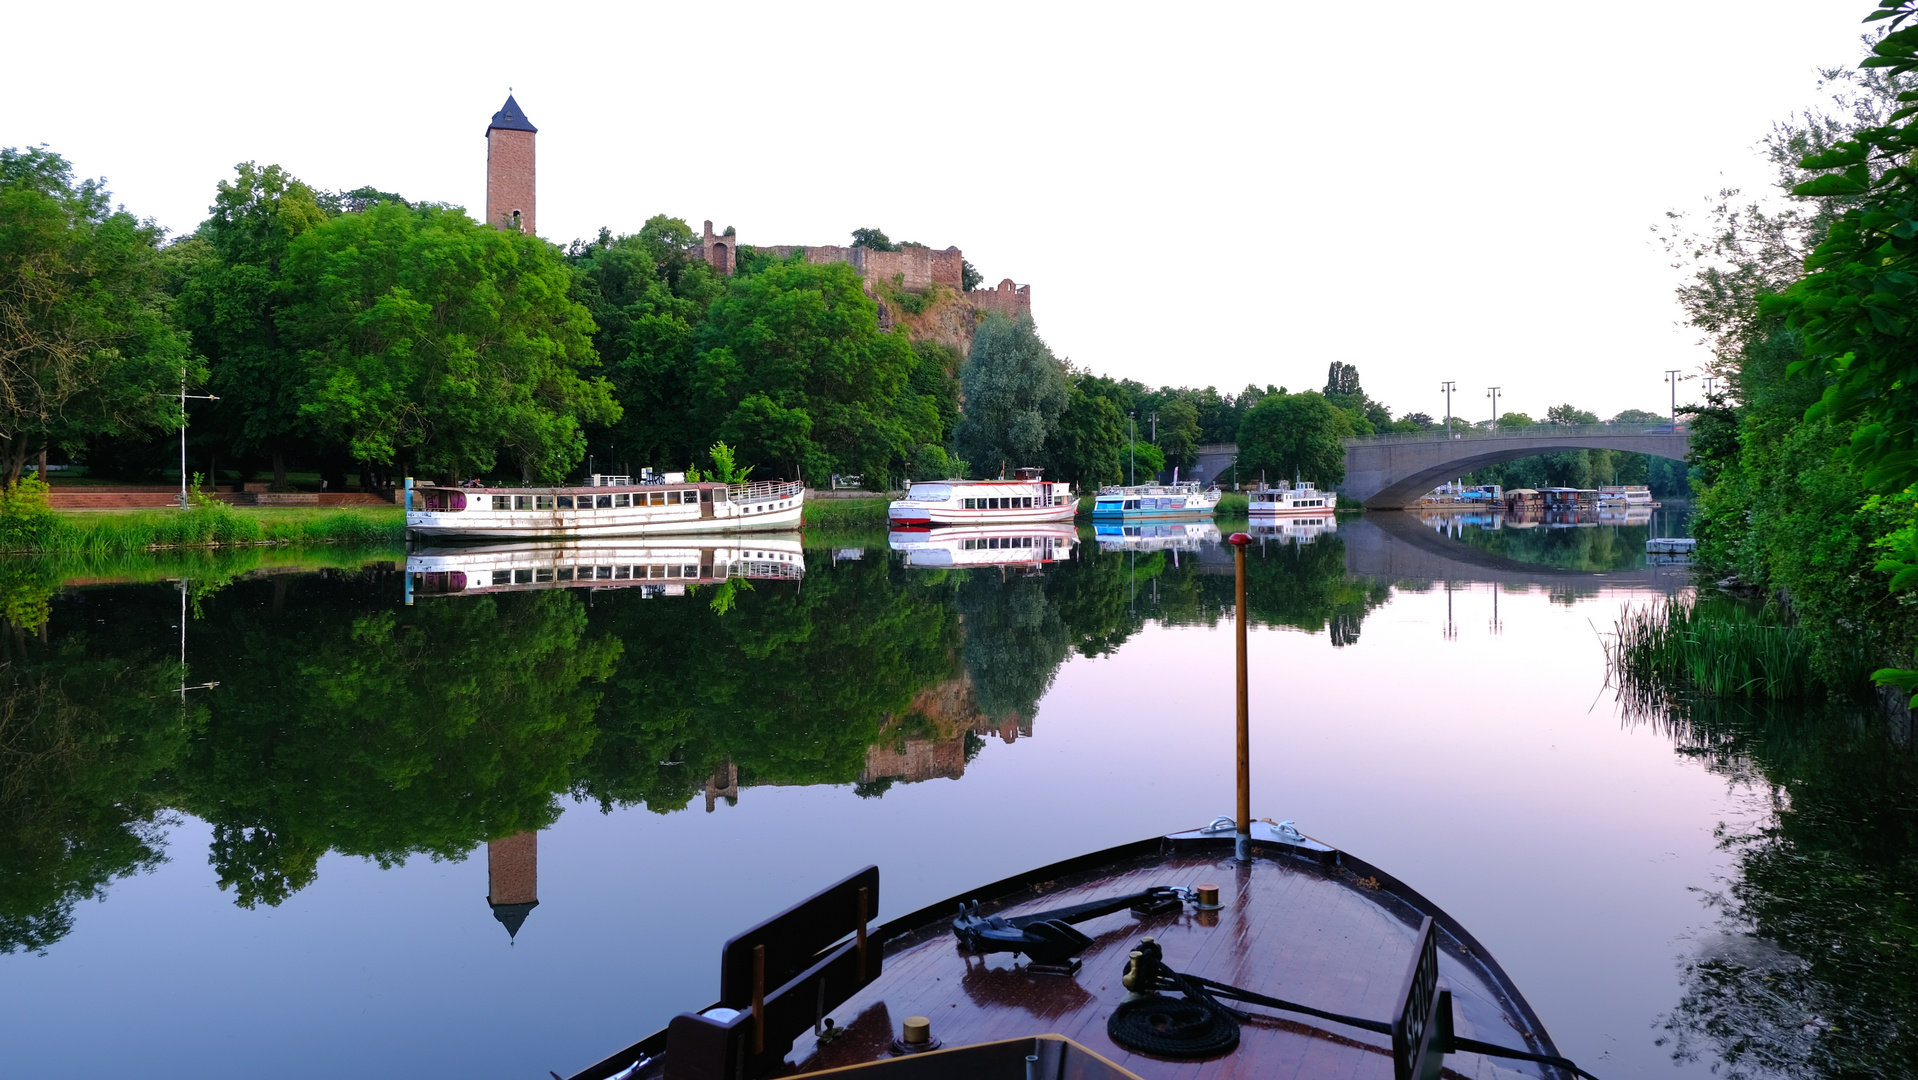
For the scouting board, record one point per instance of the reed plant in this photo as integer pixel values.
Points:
(1717, 647)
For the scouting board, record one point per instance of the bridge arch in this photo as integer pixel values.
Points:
(1388, 472)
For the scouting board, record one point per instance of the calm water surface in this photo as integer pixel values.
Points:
(289, 872)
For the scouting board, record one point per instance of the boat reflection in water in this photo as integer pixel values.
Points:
(1301, 530)
(1625, 513)
(962, 546)
(661, 566)
(1156, 536)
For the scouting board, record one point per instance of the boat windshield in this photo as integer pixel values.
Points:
(930, 492)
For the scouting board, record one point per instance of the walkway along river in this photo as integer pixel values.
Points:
(291, 871)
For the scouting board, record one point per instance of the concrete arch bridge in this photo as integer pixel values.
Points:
(1388, 472)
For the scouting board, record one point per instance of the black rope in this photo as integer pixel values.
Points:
(1201, 994)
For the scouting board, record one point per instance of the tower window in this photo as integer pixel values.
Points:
(518, 224)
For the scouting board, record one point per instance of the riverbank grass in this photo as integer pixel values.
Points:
(211, 524)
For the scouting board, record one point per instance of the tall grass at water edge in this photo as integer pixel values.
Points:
(1714, 647)
(211, 525)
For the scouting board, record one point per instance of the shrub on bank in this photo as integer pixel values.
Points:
(1716, 647)
(209, 523)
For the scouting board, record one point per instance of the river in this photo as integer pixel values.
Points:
(287, 873)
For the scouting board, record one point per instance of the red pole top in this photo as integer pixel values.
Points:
(1238, 538)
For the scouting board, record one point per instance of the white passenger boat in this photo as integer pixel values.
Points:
(1184, 498)
(603, 506)
(1297, 528)
(1155, 535)
(661, 567)
(963, 546)
(1299, 498)
(1025, 498)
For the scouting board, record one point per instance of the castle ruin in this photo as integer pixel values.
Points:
(511, 203)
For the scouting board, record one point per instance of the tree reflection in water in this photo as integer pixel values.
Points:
(344, 722)
(1815, 971)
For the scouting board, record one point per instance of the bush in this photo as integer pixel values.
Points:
(25, 517)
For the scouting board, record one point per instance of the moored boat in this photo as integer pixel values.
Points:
(1626, 495)
(961, 546)
(1026, 498)
(603, 506)
(1048, 954)
(660, 567)
(1181, 498)
(1300, 498)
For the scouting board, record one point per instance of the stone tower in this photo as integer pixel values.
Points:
(509, 169)
(512, 878)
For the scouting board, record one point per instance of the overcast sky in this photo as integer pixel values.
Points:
(1197, 194)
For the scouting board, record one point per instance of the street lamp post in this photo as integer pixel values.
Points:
(1131, 448)
(184, 504)
(1447, 387)
(1671, 376)
(1492, 392)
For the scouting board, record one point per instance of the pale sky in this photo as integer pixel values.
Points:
(1205, 194)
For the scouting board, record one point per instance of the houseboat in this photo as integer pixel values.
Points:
(1519, 499)
(1181, 498)
(961, 546)
(655, 567)
(1627, 495)
(1565, 498)
(1024, 499)
(603, 506)
(1299, 498)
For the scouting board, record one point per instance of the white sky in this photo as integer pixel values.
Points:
(1207, 194)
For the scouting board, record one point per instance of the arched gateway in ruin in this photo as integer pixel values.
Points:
(1387, 472)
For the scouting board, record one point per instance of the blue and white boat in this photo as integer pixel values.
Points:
(1177, 499)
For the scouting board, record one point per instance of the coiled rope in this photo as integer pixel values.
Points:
(1200, 1027)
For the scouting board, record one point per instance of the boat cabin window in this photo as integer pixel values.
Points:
(565, 573)
(502, 577)
(542, 502)
(522, 502)
(622, 572)
(522, 577)
(930, 492)
(565, 502)
(705, 494)
(1132, 504)
(621, 499)
(542, 575)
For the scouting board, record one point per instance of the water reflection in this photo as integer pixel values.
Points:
(348, 722)
(1814, 968)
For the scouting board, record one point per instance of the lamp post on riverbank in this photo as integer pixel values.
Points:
(1492, 392)
(1447, 388)
(184, 504)
(1131, 448)
(1671, 376)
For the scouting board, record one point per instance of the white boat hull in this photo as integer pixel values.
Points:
(537, 514)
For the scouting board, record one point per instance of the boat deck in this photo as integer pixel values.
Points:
(1338, 937)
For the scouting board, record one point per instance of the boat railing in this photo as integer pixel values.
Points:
(765, 489)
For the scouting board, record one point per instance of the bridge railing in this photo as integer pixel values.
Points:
(1531, 432)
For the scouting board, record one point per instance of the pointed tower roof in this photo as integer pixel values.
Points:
(510, 118)
(512, 916)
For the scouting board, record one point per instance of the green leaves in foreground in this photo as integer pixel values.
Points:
(1853, 304)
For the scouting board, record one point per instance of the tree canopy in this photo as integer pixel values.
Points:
(1288, 435)
(86, 347)
(1015, 391)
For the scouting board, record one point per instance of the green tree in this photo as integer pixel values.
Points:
(1569, 414)
(1142, 462)
(86, 348)
(441, 344)
(873, 240)
(648, 295)
(795, 372)
(1015, 391)
(1294, 434)
(1087, 445)
(231, 300)
(1179, 432)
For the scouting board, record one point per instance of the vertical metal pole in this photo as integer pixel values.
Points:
(183, 502)
(1671, 376)
(1243, 845)
(1448, 386)
(1492, 392)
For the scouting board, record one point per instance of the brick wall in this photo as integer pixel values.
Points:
(512, 870)
(1008, 299)
(510, 179)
